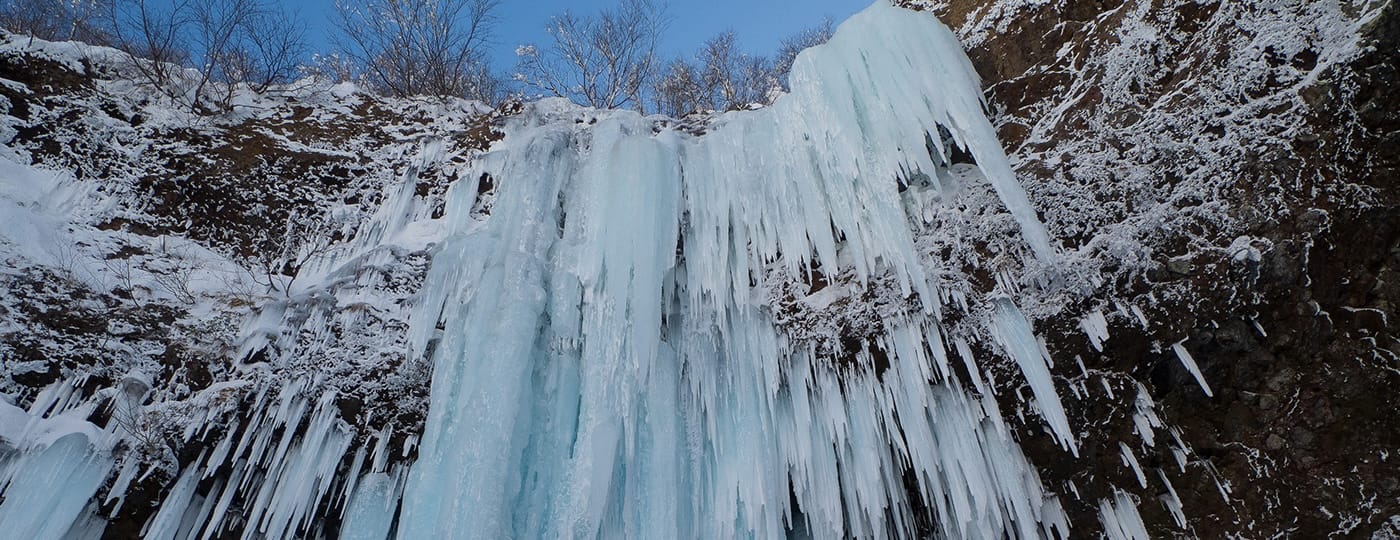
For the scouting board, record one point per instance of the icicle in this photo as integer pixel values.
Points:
(1145, 419)
(1178, 448)
(119, 486)
(165, 523)
(1095, 326)
(1190, 365)
(1120, 518)
(300, 474)
(1172, 501)
(1014, 333)
(1129, 460)
(1141, 318)
(352, 480)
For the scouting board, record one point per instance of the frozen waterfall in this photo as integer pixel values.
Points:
(610, 366)
(633, 338)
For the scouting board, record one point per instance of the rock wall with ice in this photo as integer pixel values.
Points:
(1218, 175)
(836, 316)
(217, 304)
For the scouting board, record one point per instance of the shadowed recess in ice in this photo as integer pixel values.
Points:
(608, 367)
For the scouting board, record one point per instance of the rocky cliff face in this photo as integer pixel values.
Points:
(1231, 166)
(1220, 176)
(239, 276)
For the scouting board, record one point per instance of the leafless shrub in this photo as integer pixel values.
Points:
(147, 432)
(122, 271)
(153, 34)
(284, 257)
(66, 256)
(241, 291)
(722, 77)
(233, 43)
(332, 68)
(178, 279)
(605, 61)
(420, 47)
(311, 245)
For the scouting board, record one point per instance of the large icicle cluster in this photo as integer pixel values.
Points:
(608, 366)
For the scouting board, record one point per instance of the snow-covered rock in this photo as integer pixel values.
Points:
(1163, 311)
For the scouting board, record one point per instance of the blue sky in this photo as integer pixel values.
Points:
(759, 24)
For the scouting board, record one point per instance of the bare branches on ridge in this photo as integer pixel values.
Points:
(421, 47)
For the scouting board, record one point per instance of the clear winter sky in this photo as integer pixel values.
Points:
(759, 24)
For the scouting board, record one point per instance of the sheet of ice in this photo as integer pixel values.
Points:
(47, 488)
(607, 367)
(370, 514)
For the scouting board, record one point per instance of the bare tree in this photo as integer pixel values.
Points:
(787, 52)
(55, 20)
(218, 26)
(281, 258)
(245, 43)
(275, 50)
(733, 78)
(420, 47)
(722, 77)
(233, 43)
(679, 90)
(35, 18)
(606, 61)
(153, 33)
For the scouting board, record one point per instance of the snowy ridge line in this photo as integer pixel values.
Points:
(608, 362)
